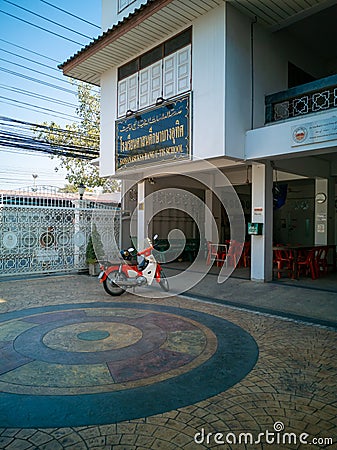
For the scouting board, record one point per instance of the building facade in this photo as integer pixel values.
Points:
(249, 88)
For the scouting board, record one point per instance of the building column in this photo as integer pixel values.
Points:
(208, 221)
(321, 211)
(262, 212)
(141, 222)
(332, 212)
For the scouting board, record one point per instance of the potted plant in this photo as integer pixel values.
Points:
(94, 248)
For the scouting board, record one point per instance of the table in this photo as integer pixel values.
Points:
(296, 249)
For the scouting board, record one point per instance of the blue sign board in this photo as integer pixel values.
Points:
(154, 135)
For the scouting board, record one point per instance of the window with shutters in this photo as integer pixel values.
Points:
(165, 71)
(124, 3)
(128, 94)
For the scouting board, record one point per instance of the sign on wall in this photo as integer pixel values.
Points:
(155, 135)
(312, 132)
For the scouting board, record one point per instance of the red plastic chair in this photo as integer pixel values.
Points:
(215, 255)
(234, 254)
(283, 259)
(308, 265)
(245, 256)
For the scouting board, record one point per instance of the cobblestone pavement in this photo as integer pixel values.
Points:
(288, 396)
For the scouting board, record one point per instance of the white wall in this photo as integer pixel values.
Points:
(222, 86)
(208, 64)
(110, 14)
(108, 117)
(276, 140)
(238, 81)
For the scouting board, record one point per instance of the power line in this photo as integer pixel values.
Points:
(39, 107)
(30, 51)
(24, 124)
(28, 59)
(31, 109)
(48, 20)
(34, 70)
(70, 14)
(24, 142)
(40, 28)
(45, 83)
(39, 96)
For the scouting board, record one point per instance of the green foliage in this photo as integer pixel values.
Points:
(84, 134)
(95, 249)
(90, 252)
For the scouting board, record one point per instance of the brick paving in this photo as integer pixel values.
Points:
(293, 384)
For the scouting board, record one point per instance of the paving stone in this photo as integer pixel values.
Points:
(90, 433)
(292, 382)
(10, 432)
(4, 441)
(51, 445)
(113, 439)
(96, 442)
(128, 439)
(40, 438)
(19, 444)
(107, 429)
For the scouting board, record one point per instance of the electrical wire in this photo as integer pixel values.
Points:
(29, 59)
(10, 122)
(26, 108)
(30, 51)
(70, 14)
(40, 28)
(48, 20)
(45, 83)
(38, 107)
(38, 96)
(24, 124)
(34, 70)
(19, 140)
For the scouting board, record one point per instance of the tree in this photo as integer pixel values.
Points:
(84, 134)
(95, 249)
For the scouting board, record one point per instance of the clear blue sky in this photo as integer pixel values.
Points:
(16, 167)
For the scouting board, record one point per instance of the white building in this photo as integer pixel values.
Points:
(259, 86)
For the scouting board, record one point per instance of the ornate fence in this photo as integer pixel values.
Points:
(45, 235)
(308, 98)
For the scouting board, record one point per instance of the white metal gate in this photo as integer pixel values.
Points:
(52, 235)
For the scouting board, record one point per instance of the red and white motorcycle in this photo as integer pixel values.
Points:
(119, 277)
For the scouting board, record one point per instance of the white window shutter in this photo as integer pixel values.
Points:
(183, 69)
(132, 90)
(122, 97)
(156, 82)
(169, 76)
(144, 87)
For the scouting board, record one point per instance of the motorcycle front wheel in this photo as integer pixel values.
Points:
(110, 284)
(164, 284)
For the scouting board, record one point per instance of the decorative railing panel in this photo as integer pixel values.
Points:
(308, 98)
(41, 239)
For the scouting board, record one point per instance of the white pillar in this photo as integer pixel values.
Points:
(262, 212)
(332, 211)
(208, 221)
(141, 223)
(321, 211)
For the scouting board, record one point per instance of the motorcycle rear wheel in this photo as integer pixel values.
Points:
(110, 284)
(164, 284)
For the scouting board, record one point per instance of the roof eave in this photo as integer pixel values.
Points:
(114, 33)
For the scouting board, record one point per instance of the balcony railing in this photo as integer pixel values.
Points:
(319, 95)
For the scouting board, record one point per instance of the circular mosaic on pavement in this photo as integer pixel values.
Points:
(74, 365)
